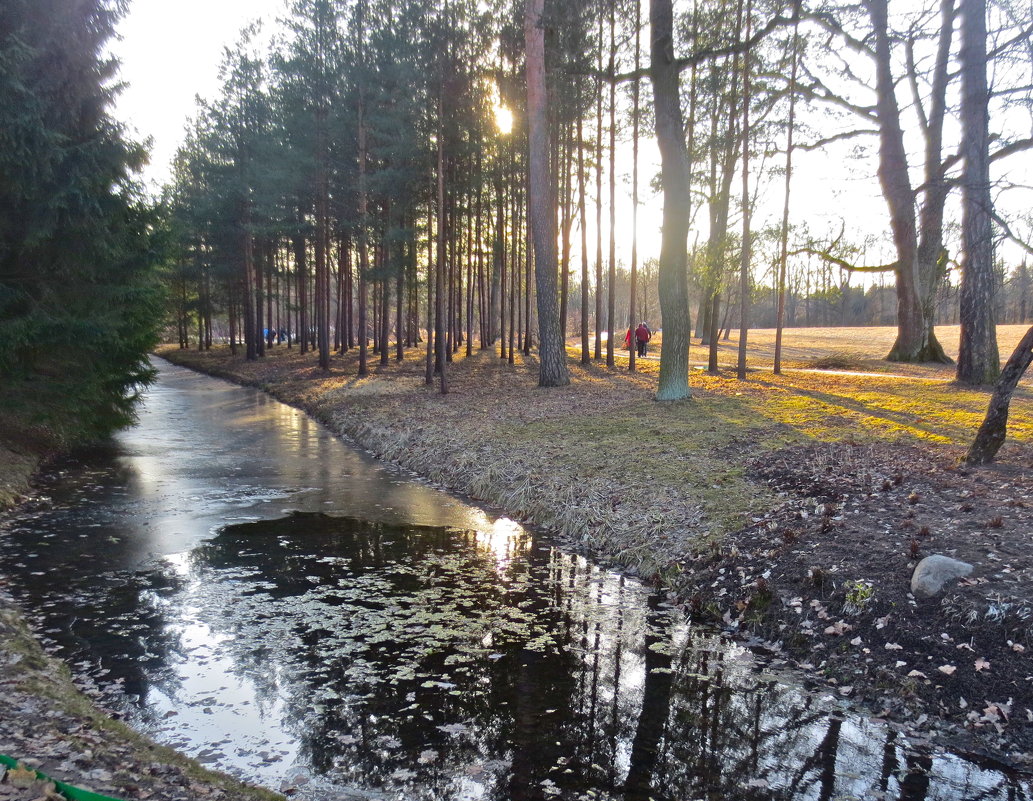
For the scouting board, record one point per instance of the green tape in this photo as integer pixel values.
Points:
(67, 790)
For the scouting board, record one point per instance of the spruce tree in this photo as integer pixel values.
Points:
(78, 307)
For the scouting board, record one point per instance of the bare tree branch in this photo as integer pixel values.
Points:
(696, 58)
(839, 262)
(1010, 234)
(1009, 150)
(818, 91)
(1021, 37)
(830, 24)
(912, 75)
(1012, 90)
(820, 143)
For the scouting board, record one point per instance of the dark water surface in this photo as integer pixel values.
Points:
(248, 589)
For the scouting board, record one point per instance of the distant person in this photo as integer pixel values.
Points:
(627, 339)
(642, 337)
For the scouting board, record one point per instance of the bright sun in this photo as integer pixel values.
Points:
(503, 118)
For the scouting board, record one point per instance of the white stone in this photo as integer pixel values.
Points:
(933, 573)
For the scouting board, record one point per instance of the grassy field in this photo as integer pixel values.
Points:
(865, 347)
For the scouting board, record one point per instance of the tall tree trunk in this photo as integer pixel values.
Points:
(258, 261)
(916, 341)
(586, 354)
(636, 91)
(501, 251)
(674, 177)
(599, 201)
(744, 263)
(429, 374)
(400, 305)
(567, 214)
(249, 286)
(979, 361)
(441, 364)
(363, 245)
(783, 256)
(542, 204)
(301, 274)
(611, 282)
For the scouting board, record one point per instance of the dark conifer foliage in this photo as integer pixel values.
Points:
(78, 308)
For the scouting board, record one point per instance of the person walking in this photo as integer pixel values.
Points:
(642, 337)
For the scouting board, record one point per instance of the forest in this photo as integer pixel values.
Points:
(368, 168)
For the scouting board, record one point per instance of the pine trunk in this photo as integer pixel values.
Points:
(675, 178)
(542, 204)
(979, 361)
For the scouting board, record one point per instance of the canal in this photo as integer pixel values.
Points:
(243, 586)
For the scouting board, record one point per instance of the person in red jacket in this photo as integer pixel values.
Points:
(642, 337)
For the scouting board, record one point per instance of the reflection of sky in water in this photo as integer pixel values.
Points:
(420, 648)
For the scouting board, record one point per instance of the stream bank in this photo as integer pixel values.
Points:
(802, 544)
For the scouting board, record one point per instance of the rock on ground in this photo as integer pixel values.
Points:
(934, 572)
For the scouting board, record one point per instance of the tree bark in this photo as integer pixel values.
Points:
(979, 361)
(744, 263)
(611, 281)
(674, 177)
(994, 429)
(783, 256)
(635, 102)
(542, 205)
(916, 341)
(586, 355)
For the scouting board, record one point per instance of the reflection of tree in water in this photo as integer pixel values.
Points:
(731, 735)
(63, 561)
(112, 626)
(398, 642)
(418, 660)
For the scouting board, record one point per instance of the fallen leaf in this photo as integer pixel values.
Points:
(948, 669)
(982, 664)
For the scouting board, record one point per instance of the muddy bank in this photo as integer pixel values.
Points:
(807, 547)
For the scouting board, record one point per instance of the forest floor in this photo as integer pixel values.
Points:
(790, 508)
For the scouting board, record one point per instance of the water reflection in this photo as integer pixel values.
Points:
(436, 663)
(366, 658)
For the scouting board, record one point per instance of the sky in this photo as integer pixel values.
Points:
(170, 52)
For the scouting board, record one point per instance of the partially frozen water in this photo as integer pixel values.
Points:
(247, 588)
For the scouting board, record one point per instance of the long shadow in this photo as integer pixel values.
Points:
(852, 404)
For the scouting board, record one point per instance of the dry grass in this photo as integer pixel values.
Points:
(599, 463)
(15, 471)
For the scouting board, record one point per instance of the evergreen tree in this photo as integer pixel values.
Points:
(78, 306)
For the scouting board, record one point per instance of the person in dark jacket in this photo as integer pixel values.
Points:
(642, 337)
